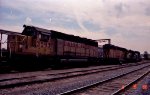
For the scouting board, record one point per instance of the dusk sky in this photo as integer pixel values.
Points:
(125, 22)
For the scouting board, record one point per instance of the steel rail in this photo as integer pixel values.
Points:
(99, 82)
(54, 78)
(130, 84)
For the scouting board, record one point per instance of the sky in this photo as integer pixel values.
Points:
(125, 22)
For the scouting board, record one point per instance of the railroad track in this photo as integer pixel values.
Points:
(6, 77)
(139, 87)
(112, 86)
(20, 75)
(130, 84)
(55, 83)
(13, 82)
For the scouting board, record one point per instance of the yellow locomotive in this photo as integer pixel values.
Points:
(41, 47)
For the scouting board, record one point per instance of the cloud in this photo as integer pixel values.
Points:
(15, 28)
(63, 21)
(28, 21)
(91, 26)
(124, 21)
(111, 31)
(147, 11)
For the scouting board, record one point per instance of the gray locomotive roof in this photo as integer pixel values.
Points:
(108, 46)
(50, 31)
(42, 30)
(60, 35)
(9, 32)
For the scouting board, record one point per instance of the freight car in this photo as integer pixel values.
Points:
(53, 48)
